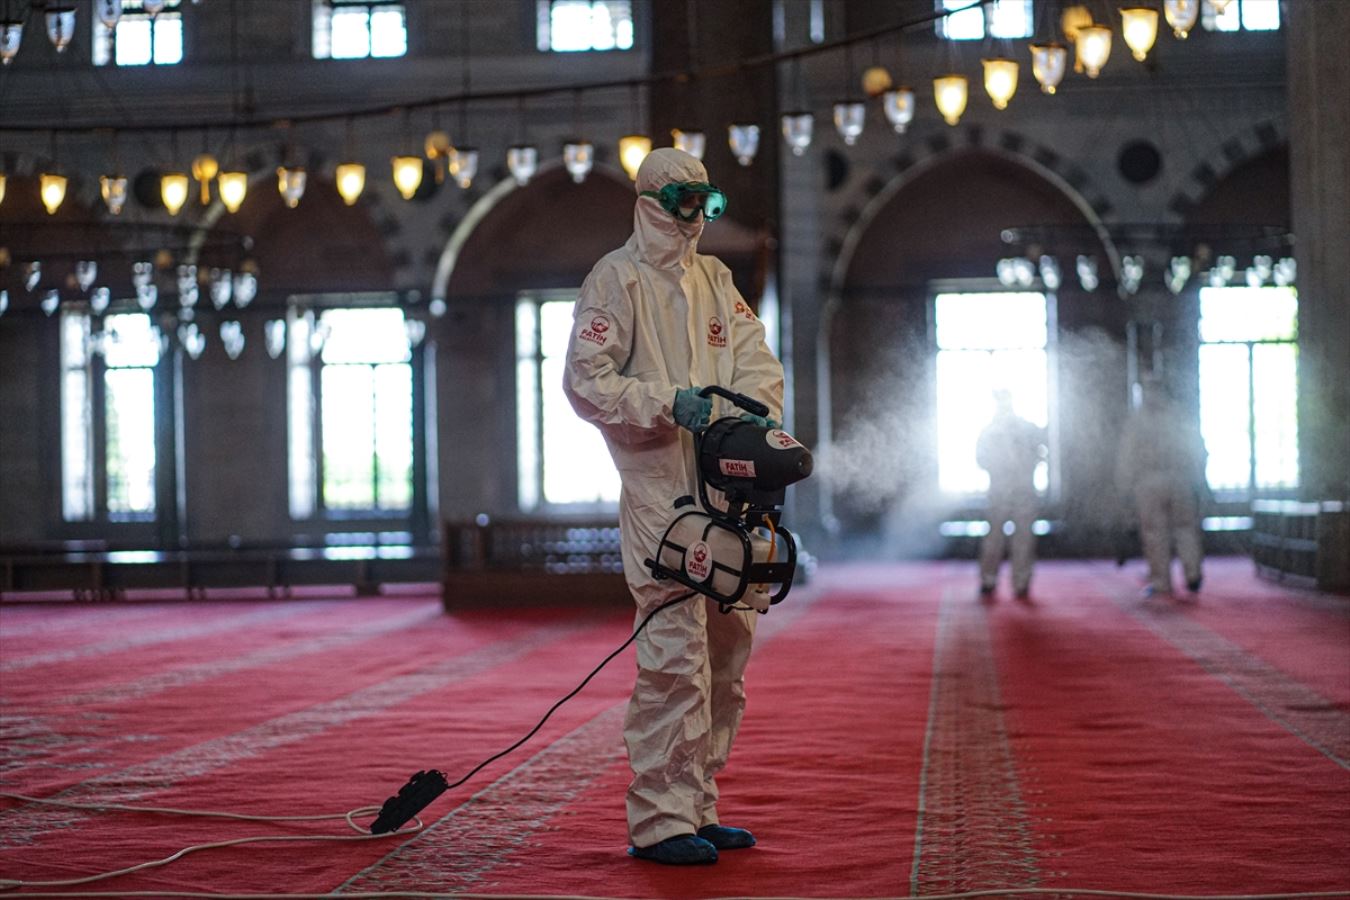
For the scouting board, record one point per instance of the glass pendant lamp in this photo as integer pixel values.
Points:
(1000, 80)
(692, 142)
(2, 187)
(291, 184)
(522, 161)
(407, 175)
(578, 159)
(1094, 48)
(351, 181)
(1048, 64)
(743, 139)
(60, 26)
(114, 191)
(109, 12)
(1181, 15)
(633, 149)
(11, 36)
(1139, 28)
(233, 186)
(898, 105)
(52, 189)
(464, 165)
(173, 190)
(849, 118)
(798, 128)
(951, 93)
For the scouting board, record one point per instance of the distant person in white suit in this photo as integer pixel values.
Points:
(1162, 468)
(1009, 449)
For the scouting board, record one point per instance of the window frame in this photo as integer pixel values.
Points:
(327, 8)
(542, 505)
(1209, 20)
(141, 528)
(987, 18)
(542, 19)
(1252, 491)
(414, 518)
(972, 500)
(105, 39)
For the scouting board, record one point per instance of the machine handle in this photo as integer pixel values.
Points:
(750, 405)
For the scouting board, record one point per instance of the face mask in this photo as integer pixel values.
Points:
(685, 200)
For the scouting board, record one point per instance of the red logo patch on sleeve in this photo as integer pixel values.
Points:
(596, 332)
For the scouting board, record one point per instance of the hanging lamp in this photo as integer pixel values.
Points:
(691, 141)
(173, 190)
(113, 189)
(52, 189)
(633, 149)
(1071, 21)
(1048, 64)
(578, 159)
(2, 187)
(951, 93)
(60, 26)
(205, 167)
(407, 174)
(898, 105)
(1000, 80)
(798, 128)
(11, 36)
(1220, 6)
(1181, 15)
(522, 161)
(743, 139)
(153, 7)
(351, 181)
(109, 12)
(1094, 48)
(233, 187)
(850, 116)
(876, 81)
(291, 184)
(463, 165)
(1139, 28)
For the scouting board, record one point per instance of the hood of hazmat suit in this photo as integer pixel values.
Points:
(654, 316)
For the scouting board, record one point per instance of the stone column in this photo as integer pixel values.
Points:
(1317, 33)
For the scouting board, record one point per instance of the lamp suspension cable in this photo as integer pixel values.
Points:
(244, 120)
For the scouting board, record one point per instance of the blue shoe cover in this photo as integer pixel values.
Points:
(724, 838)
(681, 850)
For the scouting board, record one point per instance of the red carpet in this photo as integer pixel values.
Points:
(902, 739)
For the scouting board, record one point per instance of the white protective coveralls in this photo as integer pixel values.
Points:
(654, 316)
(1009, 449)
(1162, 465)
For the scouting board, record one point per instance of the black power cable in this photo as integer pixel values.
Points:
(425, 786)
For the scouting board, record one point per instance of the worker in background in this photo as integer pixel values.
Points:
(1161, 467)
(654, 323)
(1009, 449)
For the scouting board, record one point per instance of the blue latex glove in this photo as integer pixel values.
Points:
(760, 420)
(690, 410)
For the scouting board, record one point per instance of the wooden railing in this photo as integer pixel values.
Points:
(1305, 543)
(524, 561)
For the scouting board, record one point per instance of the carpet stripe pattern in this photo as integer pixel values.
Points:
(903, 738)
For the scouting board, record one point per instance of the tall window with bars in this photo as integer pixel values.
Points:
(355, 29)
(139, 38)
(108, 464)
(1249, 390)
(561, 462)
(1001, 19)
(1242, 15)
(566, 26)
(350, 412)
(987, 341)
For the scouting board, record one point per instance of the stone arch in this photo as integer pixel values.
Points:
(888, 297)
(874, 192)
(1224, 159)
(607, 224)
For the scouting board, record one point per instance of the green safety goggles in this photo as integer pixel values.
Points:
(686, 199)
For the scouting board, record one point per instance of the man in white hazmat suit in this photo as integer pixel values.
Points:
(1009, 449)
(655, 322)
(1162, 466)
